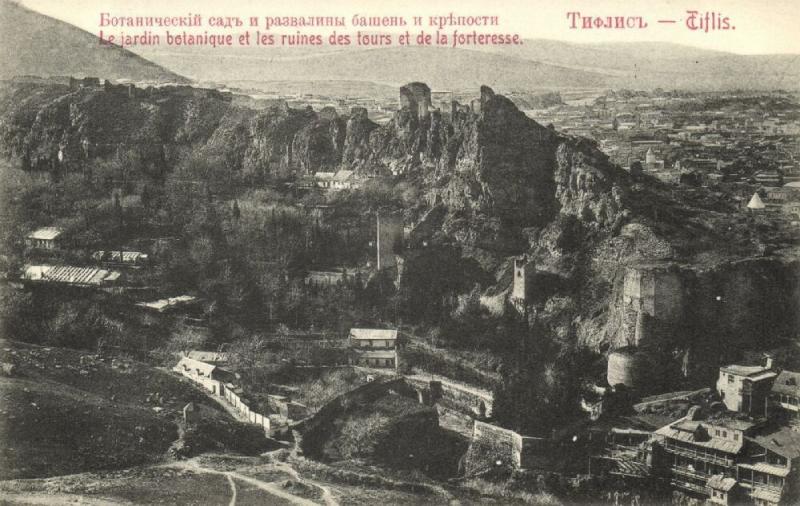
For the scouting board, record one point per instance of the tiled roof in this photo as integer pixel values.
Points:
(720, 482)
(787, 383)
(187, 363)
(343, 175)
(208, 356)
(763, 467)
(68, 274)
(373, 334)
(765, 494)
(163, 304)
(784, 441)
(743, 370)
(45, 233)
(683, 431)
(114, 256)
(377, 354)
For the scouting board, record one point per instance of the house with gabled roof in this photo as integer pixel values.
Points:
(745, 388)
(374, 348)
(786, 391)
(45, 238)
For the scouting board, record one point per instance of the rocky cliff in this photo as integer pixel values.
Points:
(501, 185)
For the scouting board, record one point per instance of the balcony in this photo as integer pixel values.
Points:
(698, 454)
(688, 485)
(773, 489)
(688, 473)
(762, 490)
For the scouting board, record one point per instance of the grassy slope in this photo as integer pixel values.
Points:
(60, 416)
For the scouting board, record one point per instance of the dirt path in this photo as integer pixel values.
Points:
(233, 491)
(327, 495)
(46, 499)
(269, 487)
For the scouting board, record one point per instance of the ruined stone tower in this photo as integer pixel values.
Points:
(522, 285)
(652, 299)
(389, 239)
(416, 97)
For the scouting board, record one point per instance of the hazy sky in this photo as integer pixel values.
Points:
(762, 26)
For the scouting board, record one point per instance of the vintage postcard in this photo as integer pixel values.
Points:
(444, 252)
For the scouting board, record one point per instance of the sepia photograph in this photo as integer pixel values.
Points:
(340, 252)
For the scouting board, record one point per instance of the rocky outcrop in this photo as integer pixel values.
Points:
(586, 184)
(356, 150)
(500, 183)
(318, 145)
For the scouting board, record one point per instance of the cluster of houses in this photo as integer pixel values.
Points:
(44, 244)
(742, 449)
(690, 141)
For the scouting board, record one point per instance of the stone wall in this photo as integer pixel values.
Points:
(712, 314)
(491, 444)
(452, 394)
(219, 388)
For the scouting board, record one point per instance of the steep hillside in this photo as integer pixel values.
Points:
(35, 44)
(486, 184)
(93, 122)
(65, 411)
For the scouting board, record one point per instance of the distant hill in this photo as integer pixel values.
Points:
(647, 65)
(440, 68)
(35, 44)
(538, 64)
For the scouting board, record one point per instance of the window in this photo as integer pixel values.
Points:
(724, 433)
(730, 378)
(388, 362)
(736, 436)
(716, 432)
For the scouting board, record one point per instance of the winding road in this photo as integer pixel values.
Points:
(272, 488)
